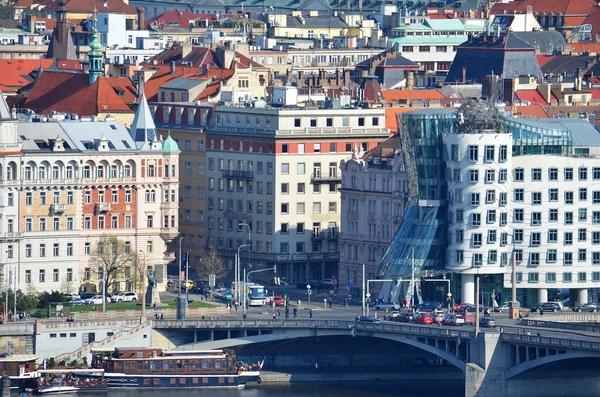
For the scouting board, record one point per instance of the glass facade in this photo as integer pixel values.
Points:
(529, 137)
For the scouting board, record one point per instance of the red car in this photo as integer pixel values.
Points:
(460, 306)
(278, 300)
(424, 319)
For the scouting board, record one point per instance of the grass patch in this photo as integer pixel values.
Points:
(165, 304)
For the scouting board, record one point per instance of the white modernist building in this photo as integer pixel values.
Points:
(530, 189)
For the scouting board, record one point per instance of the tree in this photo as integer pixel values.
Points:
(110, 259)
(67, 286)
(212, 263)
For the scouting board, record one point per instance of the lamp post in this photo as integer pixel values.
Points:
(309, 292)
(247, 279)
(142, 270)
(103, 287)
(181, 306)
(249, 244)
(238, 289)
(477, 305)
(187, 277)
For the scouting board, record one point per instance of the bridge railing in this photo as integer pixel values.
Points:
(561, 325)
(225, 324)
(557, 343)
(414, 329)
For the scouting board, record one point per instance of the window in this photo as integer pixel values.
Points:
(489, 153)
(552, 194)
(284, 208)
(582, 255)
(533, 277)
(583, 174)
(568, 218)
(536, 174)
(285, 168)
(502, 176)
(285, 187)
(475, 220)
(518, 235)
(582, 194)
(473, 152)
(519, 194)
(553, 174)
(567, 277)
(475, 199)
(581, 277)
(518, 215)
(476, 239)
(551, 256)
(301, 168)
(473, 176)
(552, 235)
(536, 198)
(568, 236)
(568, 174)
(316, 208)
(503, 154)
(536, 218)
(42, 276)
(553, 215)
(568, 258)
(519, 175)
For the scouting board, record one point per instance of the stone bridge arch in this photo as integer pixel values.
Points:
(401, 338)
(531, 364)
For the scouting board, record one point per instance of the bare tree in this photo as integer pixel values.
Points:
(212, 263)
(111, 259)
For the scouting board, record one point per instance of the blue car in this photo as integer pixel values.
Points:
(367, 319)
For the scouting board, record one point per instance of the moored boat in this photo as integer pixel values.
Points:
(70, 381)
(158, 368)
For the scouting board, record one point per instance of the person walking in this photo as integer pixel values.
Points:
(295, 312)
(310, 312)
(346, 303)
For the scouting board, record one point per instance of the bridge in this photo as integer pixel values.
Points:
(493, 363)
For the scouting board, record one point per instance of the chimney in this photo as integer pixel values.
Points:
(322, 75)
(464, 74)
(301, 81)
(141, 18)
(204, 69)
(337, 77)
(172, 67)
(470, 40)
(545, 91)
(346, 78)
(410, 80)
(186, 48)
(140, 85)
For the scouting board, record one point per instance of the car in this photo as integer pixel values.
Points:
(469, 317)
(423, 318)
(438, 316)
(588, 307)
(368, 319)
(549, 307)
(86, 295)
(405, 318)
(94, 300)
(387, 305)
(328, 283)
(429, 306)
(504, 308)
(453, 319)
(304, 284)
(71, 297)
(487, 322)
(278, 300)
(78, 302)
(391, 316)
(457, 308)
(124, 297)
(227, 295)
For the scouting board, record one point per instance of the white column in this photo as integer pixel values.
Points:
(582, 296)
(542, 295)
(468, 288)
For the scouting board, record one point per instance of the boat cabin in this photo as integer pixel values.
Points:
(156, 361)
(17, 364)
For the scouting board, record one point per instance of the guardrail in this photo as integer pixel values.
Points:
(557, 343)
(561, 325)
(89, 324)
(17, 328)
(568, 317)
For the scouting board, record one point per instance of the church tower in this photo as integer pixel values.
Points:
(95, 57)
(61, 46)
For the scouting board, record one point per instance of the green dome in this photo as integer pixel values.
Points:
(170, 146)
(95, 44)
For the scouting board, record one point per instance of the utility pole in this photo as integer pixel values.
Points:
(514, 305)
(364, 296)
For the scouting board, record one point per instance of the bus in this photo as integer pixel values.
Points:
(256, 295)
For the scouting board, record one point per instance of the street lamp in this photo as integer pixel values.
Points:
(278, 281)
(180, 306)
(142, 270)
(309, 292)
(187, 277)
(237, 274)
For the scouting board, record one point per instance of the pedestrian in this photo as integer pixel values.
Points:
(295, 312)
(278, 313)
(346, 303)
(244, 316)
(162, 316)
(330, 302)
(310, 312)
(405, 303)
(539, 334)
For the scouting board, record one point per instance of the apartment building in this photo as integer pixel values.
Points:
(374, 196)
(67, 183)
(274, 172)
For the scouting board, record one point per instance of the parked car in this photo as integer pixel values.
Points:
(438, 316)
(387, 305)
(124, 297)
(368, 319)
(328, 283)
(588, 307)
(487, 322)
(429, 306)
(469, 317)
(304, 284)
(405, 318)
(423, 318)
(94, 300)
(549, 307)
(504, 308)
(86, 295)
(71, 297)
(392, 315)
(78, 302)
(453, 319)
(278, 300)
(457, 308)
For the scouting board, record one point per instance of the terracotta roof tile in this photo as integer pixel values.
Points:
(410, 95)
(542, 59)
(566, 7)
(178, 19)
(114, 6)
(162, 76)
(17, 73)
(72, 93)
(124, 88)
(536, 111)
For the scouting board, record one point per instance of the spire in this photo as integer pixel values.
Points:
(143, 128)
(61, 46)
(95, 56)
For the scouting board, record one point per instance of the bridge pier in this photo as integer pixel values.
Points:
(485, 373)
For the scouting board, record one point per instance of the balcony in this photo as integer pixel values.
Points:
(168, 234)
(58, 208)
(238, 174)
(318, 177)
(102, 207)
(10, 236)
(169, 256)
(318, 236)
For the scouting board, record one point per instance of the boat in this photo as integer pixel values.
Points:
(20, 368)
(70, 381)
(159, 368)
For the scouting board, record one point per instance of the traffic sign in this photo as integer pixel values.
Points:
(349, 285)
(493, 296)
(449, 295)
(309, 291)
(308, 286)
(184, 257)
(368, 295)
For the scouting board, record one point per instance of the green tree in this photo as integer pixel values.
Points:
(109, 260)
(45, 298)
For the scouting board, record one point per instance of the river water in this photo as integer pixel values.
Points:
(351, 389)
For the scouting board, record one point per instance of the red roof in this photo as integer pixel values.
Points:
(124, 88)
(114, 6)
(593, 19)
(410, 95)
(17, 73)
(534, 97)
(178, 19)
(72, 93)
(565, 7)
(536, 111)
(161, 77)
(542, 59)
(581, 47)
(595, 93)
